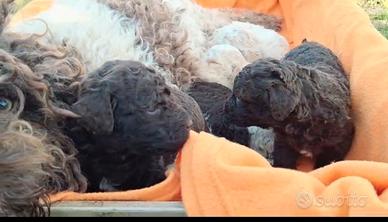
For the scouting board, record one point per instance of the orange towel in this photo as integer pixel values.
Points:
(216, 177)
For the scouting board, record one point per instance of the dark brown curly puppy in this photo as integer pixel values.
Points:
(131, 125)
(304, 97)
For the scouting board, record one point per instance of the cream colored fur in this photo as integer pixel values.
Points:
(226, 60)
(218, 48)
(93, 28)
(254, 41)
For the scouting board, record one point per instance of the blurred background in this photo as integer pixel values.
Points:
(377, 10)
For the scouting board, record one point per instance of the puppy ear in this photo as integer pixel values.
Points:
(282, 102)
(96, 112)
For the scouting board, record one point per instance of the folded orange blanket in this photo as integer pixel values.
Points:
(216, 177)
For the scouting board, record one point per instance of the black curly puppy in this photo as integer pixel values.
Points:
(304, 97)
(211, 97)
(132, 124)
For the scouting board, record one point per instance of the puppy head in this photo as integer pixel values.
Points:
(130, 108)
(265, 93)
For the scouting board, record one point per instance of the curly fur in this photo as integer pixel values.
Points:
(212, 98)
(131, 119)
(180, 33)
(28, 96)
(225, 59)
(32, 168)
(36, 158)
(24, 160)
(170, 36)
(305, 97)
(55, 71)
(48, 61)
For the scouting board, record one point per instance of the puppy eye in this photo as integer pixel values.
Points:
(5, 105)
